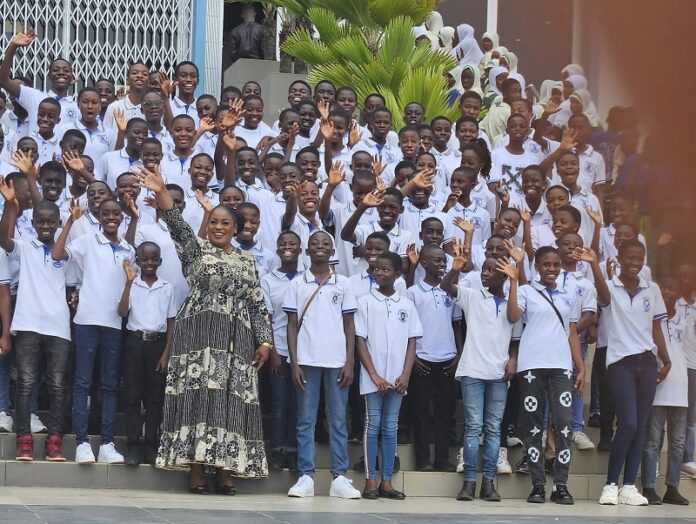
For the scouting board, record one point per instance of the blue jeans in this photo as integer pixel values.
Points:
(89, 340)
(484, 405)
(633, 381)
(336, 400)
(676, 424)
(5, 366)
(690, 418)
(578, 401)
(381, 416)
(283, 411)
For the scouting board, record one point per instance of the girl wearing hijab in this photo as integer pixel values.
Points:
(454, 84)
(496, 77)
(433, 24)
(446, 38)
(509, 60)
(521, 80)
(581, 103)
(470, 78)
(572, 69)
(489, 41)
(467, 50)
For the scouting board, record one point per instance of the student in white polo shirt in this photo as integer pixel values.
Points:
(436, 359)
(100, 139)
(97, 322)
(264, 258)
(88, 223)
(128, 191)
(633, 308)
(41, 323)
(200, 174)
(321, 342)
(464, 180)
(549, 347)
(111, 165)
(488, 363)
(669, 406)
(186, 77)
(175, 164)
(275, 285)
(137, 79)
(386, 329)
(149, 304)
(686, 305)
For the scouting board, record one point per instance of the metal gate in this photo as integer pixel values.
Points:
(100, 37)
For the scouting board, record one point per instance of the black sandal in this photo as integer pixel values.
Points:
(226, 490)
(392, 494)
(199, 490)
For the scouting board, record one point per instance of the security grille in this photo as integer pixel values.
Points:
(100, 37)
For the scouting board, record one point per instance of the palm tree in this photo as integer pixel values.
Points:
(369, 45)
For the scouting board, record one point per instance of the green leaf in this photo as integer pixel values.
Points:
(300, 44)
(353, 50)
(384, 11)
(338, 73)
(326, 24)
(397, 42)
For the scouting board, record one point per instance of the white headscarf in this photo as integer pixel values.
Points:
(492, 76)
(583, 96)
(523, 84)
(573, 69)
(419, 31)
(477, 78)
(467, 50)
(493, 37)
(457, 75)
(545, 91)
(433, 24)
(511, 60)
(447, 36)
(578, 81)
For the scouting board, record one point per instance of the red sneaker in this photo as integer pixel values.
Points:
(54, 449)
(25, 448)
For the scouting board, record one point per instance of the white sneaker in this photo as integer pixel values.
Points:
(36, 425)
(630, 496)
(304, 487)
(582, 441)
(689, 468)
(610, 495)
(83, 454)
(5, 423)
(503, 465)
(460, 460)
(109, 455)
(342, 487)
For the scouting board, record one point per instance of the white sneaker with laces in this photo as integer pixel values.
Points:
(304, 487)
(5, 423)
(36, 425)
(630, 496)
(83, 454)
(460, 460)
(503, 465)
(689, 468)
(582, 441)
(610, 495)
(109, 455)
(342, 487)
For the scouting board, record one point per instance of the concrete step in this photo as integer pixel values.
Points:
(71, 475)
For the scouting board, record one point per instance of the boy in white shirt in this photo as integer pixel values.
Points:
(437, 354)
(41, 323)
(97, 322)
(149, 304)
(253, 130)
(200, 174)
(111, 165)
(265, 259)
(670, 406)
(686, 306)
(386, 329)
(321, 342)
(488, 363)
(459, 204)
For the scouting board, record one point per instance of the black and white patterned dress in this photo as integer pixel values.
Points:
(211, 405)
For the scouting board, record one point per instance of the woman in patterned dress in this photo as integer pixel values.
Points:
(221, 339)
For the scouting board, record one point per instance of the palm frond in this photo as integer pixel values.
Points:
(326, 24)
(397, 42)
(384, 11)
(356, 12)
(337, 72)
(300, 44)
(353, 50)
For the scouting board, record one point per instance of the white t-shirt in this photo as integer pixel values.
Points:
(507, 168)
(673, 391)
(275, 285)
(386, 324)
(254, 136)
(129, 111)
(688, 312)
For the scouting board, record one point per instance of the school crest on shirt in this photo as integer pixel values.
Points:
(566, 301)
(448, 302)
(388, 157)
(646, 304)
(477, 222)
(335, 298)
(677, 334)
(58, 264)
(103, 139)
(403, 316)
(70, 113)
(478, 201)
(534, 148)
(588, 167)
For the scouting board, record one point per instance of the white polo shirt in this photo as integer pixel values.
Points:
(112, 164)
(447, 161)
(542, 216)
(129, 109)
(593, 171)
(30, 99)
(389, 154)
(253, 136)
(272, 208)
(544, 341)
(412, 218)
(150, 307)
(304, 228)
(474, 214)
(207, 144)
(164, 138)
(581, 201)
(143, 219)
(170, 270)
(607, 249)
(275, 285)
(265, 259)
(193, 212)
(399, 237)
(437, 311)
(103, 278)
(87, 224)
(363, 283)
(482, 197)
(41, 304)
(688, 312)
(321, 340)
(179, 107)
(99, 142)
(49, 148)
(630, 319)
(487, 346)
(12, 124)
(347, 265)
(176, 170)
(542, 235)
(387, 324)
(673, 391)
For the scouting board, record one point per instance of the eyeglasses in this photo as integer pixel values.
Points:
(153, 104)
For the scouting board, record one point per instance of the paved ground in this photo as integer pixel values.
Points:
(34, 505)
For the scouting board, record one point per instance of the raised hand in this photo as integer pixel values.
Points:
(207, 124)
(611, 268)
(167, 86)
(324, 109)
(464, 225)
(151, 180)
(506, 268)
(131, 207)
(326, 128)
(336, 174)
(130, 272)
(380, 184)
(75, 210)
(377, 166)
(25, 163)
(461, 255)
(294, 131)
(230, 140)
(552, 107)
(206, 204)
(24, 39)
(120, 119)
(452, 199)
(354, 136)
(594, 215)
(232, 117)
(72, 161)
(373, 198)
(516, 253)
(584, 254)
(413, 255)
(525, 215)
(568, 140)
(151, 202)
(7, 190)
(293, 189)
(424, 179)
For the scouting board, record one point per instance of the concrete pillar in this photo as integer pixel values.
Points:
(492, 16)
